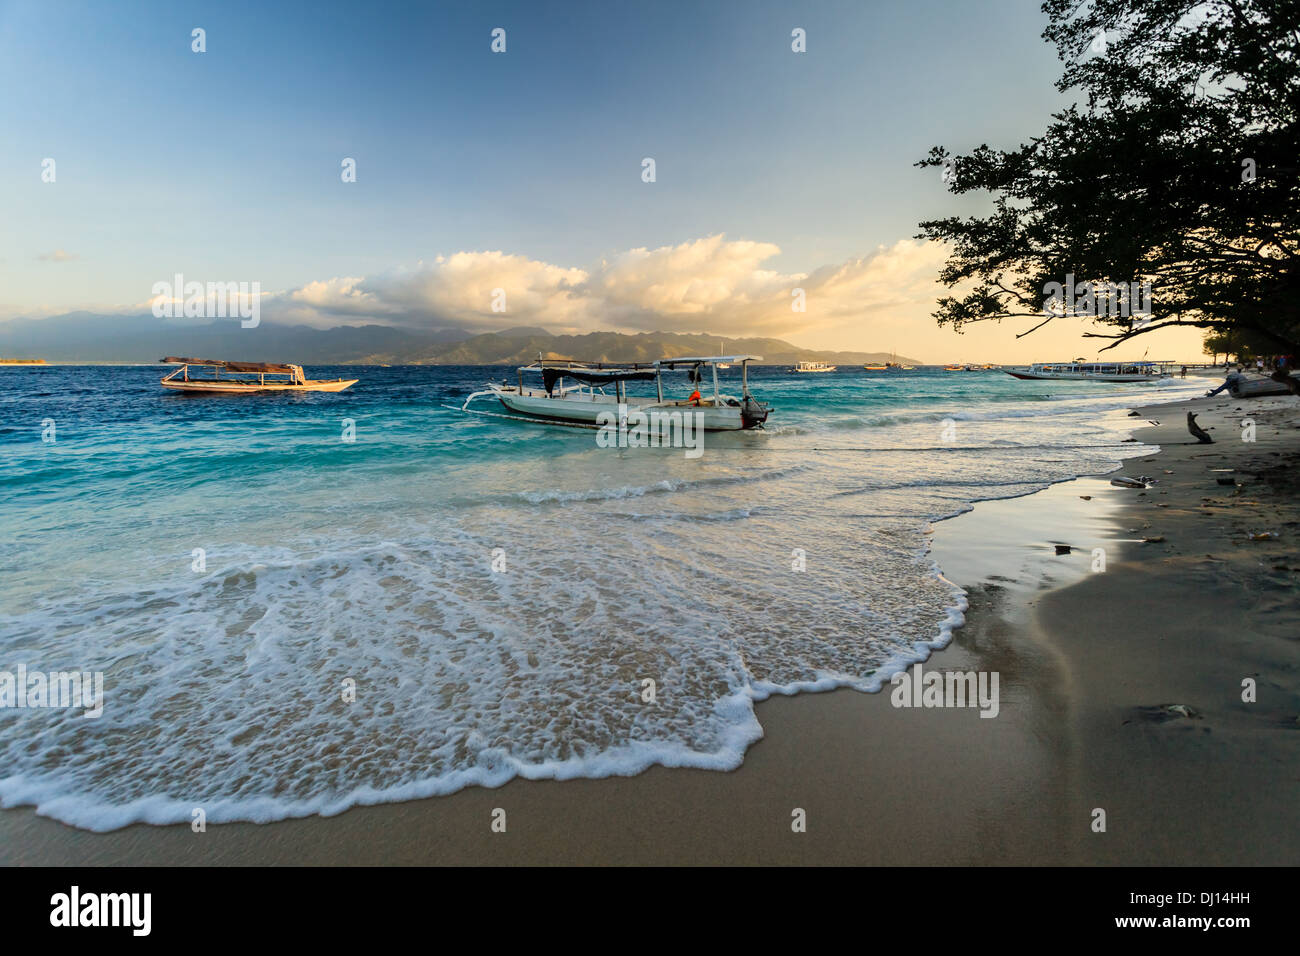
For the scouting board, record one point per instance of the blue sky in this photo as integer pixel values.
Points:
(226, 164)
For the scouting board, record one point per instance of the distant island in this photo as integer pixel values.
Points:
(512, 348)
(83, 337)
(9, 361)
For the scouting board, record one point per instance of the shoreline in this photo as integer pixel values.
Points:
(1083, 721)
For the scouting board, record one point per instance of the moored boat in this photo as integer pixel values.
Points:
(574, 393)
(815, 367)
(890, 366)
(284, 378)
(1079, 370)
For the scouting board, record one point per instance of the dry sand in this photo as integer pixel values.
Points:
(1089, 664)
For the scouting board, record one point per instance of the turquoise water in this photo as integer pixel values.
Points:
(369, 564)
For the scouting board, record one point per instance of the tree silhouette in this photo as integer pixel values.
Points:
(1178, 168)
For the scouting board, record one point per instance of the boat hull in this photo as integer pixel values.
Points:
(586, 409)
(196, 387)
(1258, 388)
(1081, 376)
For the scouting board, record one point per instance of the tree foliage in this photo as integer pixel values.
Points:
(1178, 166)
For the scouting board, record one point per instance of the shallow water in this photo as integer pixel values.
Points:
(327, 561)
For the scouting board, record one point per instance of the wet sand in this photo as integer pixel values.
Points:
(1089, 663)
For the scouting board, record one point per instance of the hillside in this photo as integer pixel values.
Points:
(86, 337)
(500, 348)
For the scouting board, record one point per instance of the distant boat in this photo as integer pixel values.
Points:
(286, 378)
(954, 368)
(815, 367)
(1079, 370)
(890, 366)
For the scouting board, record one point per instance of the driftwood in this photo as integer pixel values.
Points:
(1197, 431)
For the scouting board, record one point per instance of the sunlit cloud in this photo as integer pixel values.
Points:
(880, 301)
(710, 284)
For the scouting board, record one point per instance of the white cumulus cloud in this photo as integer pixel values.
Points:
(708, 284)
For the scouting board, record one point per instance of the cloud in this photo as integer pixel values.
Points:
(880, 301)
(710, 284)
(58, 255)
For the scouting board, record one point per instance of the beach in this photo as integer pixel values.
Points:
(1090, 663)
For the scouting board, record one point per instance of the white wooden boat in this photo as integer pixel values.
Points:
(248, 377)
(1239, 385)
(1079, 370)
(1258, 388)
(586, 393)
(815, 367)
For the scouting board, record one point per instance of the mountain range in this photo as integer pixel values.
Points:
(84, 337)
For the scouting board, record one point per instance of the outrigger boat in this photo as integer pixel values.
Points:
(285, 378)
(574, 393)
(1079, 370)
(889, 366)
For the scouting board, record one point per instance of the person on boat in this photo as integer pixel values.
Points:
(695, 398)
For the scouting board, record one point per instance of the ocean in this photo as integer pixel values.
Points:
(291, 623)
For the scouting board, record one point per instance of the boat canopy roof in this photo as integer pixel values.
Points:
(594, 376)
(234, 366)
(1130, 362)
(706, 360)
